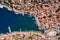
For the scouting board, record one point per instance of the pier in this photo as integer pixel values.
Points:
(37, 21)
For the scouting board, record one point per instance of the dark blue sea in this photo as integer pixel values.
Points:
(16, 22)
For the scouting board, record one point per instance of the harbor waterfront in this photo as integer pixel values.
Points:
(16, 21)
(29, 19)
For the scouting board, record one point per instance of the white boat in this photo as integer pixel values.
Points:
(9, 29)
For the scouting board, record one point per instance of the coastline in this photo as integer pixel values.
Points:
(23, 12)
(17, 11)
(10, 9)
(33, 34)
(16, 21)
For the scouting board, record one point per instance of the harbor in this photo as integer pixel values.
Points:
(39, 9)
(16, 22)
(30, 19)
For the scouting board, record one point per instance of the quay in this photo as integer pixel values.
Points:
(37, 21)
